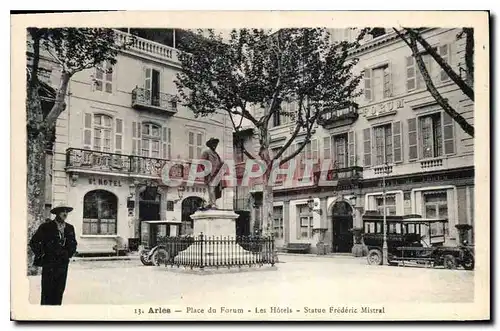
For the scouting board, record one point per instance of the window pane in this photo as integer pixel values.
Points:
(191, 138)
(145, 129)
(199, 139)
(155, 131)
(109, 88)
(99, 73)
(430, 211)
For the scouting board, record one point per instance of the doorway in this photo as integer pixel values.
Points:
(155, 87)
(149, 210)
(189, 206)
(342, 222)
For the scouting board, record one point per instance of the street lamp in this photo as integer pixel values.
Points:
(384, 247)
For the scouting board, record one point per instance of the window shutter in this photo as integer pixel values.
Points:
(367, 148)
(387, 81)
(87, 131)
(119, 136)
(397, 141)
(420, 78)
(191, 145)
(412, 139)
(368, 85)
(444, 52)
(326, 148)
(448, 134)
(136, 138)
(315, 151)
(199, 144)
(351, 141)
(410, 74)
(165, 143)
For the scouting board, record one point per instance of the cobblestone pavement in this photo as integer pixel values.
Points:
(305, 279)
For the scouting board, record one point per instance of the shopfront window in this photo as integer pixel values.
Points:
(278, 222)
(390, 204)
(436, 206)
(99, 213)
(305, 222)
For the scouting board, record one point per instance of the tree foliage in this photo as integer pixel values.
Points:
(264, 69)
(413, 37)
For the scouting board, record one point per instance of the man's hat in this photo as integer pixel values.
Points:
(212, 141)
(60, 208)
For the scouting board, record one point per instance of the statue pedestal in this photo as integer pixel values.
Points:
(218, 245)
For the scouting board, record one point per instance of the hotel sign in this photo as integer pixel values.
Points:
(383, 108)
(104, 182)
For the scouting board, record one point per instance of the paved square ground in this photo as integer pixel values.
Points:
(310, 280)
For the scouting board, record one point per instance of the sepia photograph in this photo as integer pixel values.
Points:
(250, 166)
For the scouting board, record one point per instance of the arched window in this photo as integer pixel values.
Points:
(99, 213)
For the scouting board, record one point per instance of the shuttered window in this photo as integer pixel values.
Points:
(119, 136)
(351, 138)
(367, 148)
(166, 143)
(368, 88)
(434, 136)
(195, 144)
(136, 138)
(397, 141)
(87, 131)
(412, 139)
(448, 134)
(444, 52)
(411, 82)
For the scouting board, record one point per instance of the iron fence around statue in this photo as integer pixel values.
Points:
(218, 252)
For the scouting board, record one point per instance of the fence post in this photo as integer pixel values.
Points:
(201, 251)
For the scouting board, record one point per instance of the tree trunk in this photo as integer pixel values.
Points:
(267, 205)
(36, 144)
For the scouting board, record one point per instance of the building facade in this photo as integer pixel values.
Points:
(399, 125)
(121, 126)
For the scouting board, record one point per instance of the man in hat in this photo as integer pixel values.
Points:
(53, 244)
(214, 191)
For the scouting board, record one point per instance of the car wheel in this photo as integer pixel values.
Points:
(144, 258)
(449, 262)
(374, 257)
(468, 264)
(160, 256)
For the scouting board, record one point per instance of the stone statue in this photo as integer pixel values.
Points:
(214, 191)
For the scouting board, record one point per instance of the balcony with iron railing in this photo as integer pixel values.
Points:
(83, 160)
(340, 115)
(162, 102)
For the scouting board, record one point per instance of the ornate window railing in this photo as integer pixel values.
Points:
(145, 99)
(338, 116)
(84, 159)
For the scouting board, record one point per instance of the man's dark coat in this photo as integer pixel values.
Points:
(53, 254)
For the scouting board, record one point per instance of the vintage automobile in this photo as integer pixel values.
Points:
(413, 239)
(154, 248)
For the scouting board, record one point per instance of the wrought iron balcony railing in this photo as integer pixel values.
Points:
(83, 159)
(145, 99)
(335, 117)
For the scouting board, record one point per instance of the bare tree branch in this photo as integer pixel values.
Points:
(469, 129)
(468, 91)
